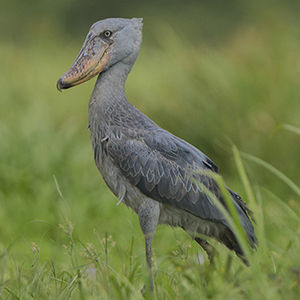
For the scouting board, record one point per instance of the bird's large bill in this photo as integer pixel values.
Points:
(91, 60)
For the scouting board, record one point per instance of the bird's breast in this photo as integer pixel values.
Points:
(115, 180)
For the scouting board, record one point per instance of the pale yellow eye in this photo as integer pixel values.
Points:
(107, 33)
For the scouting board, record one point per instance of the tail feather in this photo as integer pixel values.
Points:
(245, 215)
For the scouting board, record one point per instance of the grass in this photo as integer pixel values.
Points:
(62, 235)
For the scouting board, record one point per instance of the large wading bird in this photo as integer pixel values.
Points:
(157, 174)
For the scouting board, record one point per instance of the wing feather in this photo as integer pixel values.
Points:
(165, 168)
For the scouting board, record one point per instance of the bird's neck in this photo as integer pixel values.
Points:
(110, 85)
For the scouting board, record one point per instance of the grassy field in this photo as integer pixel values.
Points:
(62, 235)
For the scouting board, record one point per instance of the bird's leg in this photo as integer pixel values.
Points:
(148, 245)
(209, 249)
(148, 213)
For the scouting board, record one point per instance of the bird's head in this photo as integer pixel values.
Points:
(108, 42)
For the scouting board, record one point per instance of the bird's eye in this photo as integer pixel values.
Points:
(107, 33)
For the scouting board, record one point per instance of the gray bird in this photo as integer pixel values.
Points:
(157, 174)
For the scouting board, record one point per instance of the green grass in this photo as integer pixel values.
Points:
(62, 235)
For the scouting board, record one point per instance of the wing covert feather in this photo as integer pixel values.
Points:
(164, 168)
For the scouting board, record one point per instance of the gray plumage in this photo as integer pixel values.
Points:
(147, 168)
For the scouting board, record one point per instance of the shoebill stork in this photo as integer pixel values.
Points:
(149, 169)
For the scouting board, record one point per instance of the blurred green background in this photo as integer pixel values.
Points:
(212, 72)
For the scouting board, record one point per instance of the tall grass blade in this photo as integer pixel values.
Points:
(244, 177)
(233, 211)
(283, 205)
(291, 128)
(253, 201)
(273, 170)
